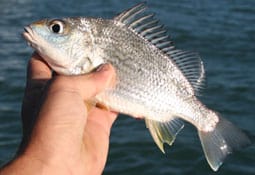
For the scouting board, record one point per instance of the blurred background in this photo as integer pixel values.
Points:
(222, 31)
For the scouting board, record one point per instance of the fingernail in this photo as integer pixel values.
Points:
(103, 67)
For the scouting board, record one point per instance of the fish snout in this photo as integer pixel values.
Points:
(40, 22)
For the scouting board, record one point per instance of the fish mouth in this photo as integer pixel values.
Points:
(28, 35)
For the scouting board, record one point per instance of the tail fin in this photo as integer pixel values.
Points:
(220, 142)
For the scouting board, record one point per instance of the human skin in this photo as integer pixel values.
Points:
(61, 135)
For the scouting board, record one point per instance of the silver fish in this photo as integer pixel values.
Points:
(154, 79)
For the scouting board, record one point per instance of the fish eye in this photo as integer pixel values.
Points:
(57, 26)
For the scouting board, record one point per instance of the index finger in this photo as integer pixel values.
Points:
(38, 68)
(38, 74)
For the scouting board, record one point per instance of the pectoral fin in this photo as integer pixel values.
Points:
(164, 132)
(102, 106)
(90, 104)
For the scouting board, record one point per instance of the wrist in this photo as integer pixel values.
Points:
(28, 165)
(22, 165)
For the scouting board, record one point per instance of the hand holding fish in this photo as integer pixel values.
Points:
(65, 136)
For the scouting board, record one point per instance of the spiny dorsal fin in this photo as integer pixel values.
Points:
(138, 20)
(146, 26)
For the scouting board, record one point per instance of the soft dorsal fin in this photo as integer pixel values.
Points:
(142, 23)
(191, 66)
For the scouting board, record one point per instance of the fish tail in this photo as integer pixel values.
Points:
(221, 141)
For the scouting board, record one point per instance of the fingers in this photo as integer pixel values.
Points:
(38, 74)
(38, 69)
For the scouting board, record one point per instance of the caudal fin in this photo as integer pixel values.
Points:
(220, 142)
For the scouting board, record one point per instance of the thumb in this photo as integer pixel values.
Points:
(88, 85)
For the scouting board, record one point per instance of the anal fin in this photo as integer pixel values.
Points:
(164, 132)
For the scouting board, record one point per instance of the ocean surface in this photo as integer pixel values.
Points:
(222, 31)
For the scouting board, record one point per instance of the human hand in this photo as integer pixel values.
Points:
(60, 134)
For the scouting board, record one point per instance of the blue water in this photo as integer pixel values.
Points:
(222, 31)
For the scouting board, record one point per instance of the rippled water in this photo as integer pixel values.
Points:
(222, 31)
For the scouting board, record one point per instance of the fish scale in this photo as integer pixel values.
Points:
(160, 72)
(154, 79)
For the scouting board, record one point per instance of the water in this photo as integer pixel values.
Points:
(222, 31)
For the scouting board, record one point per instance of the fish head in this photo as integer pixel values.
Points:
(62, 43)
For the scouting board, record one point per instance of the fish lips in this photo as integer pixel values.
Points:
(27, 34)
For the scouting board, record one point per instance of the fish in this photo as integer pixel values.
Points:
(155, 80)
